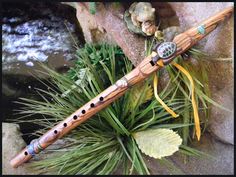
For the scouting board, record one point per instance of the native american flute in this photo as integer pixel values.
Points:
(181, 43)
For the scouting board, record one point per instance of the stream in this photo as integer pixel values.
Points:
(34, 32)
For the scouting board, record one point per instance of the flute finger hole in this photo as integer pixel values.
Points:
(92, 105)
(65, 124)
(75, 117)
(101, 98)
(26, 153)
(55, 131)
(83, 111)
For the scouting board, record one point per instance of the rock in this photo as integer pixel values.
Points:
(222, 162)
(132, 45)
(220, 41)
(92, 30)
(12, 143)
(218, 44)
(166, 13)
(30, 36)
(221, 123)
(108, 21)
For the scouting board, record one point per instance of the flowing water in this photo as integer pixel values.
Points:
(34, 32)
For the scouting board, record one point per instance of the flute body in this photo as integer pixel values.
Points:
(183, 42)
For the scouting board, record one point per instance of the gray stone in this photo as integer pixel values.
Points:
(167, 14)
(12, 143)
(222, 162)
(221, 123)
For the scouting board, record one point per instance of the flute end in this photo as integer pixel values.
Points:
(230, 10)
(13, 163)
(20, 158)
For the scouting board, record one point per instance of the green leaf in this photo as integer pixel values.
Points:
(92, 7)
(158, 143)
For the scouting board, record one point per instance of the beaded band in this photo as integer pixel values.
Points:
(30, 149)
(39, 147)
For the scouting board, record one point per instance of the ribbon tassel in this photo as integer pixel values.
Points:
(195, 109)
(155, 81)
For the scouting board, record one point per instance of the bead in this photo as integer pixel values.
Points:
(153, 54)
(201, 29)
(30, 149)
(122, 82)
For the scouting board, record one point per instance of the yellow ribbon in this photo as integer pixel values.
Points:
(195, 109)
(155, 81)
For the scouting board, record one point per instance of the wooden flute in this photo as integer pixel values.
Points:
(165, 52)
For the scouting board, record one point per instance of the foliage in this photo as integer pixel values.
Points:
(105, 141)
(92, 7)
(158, 143)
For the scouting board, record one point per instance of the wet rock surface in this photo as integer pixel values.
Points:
(30, 34)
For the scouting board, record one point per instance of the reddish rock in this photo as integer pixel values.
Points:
(114, 25)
